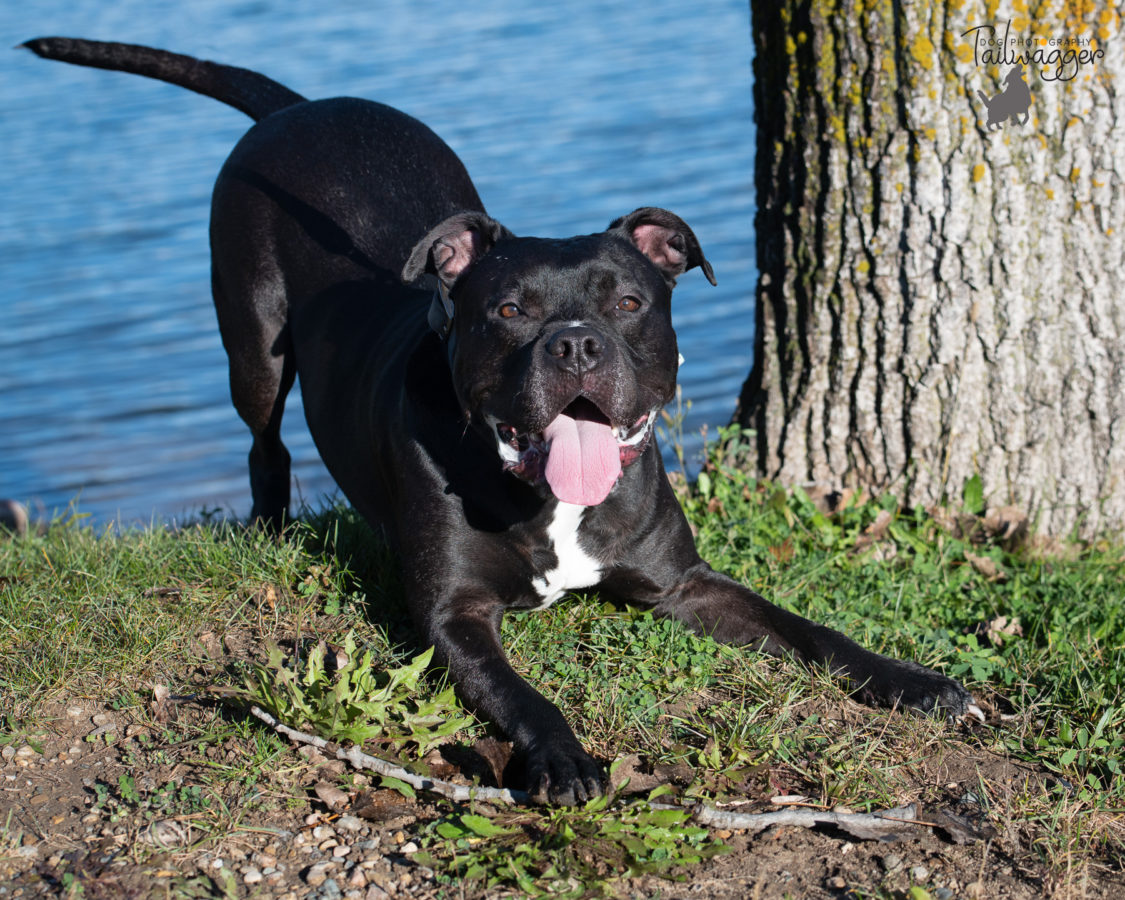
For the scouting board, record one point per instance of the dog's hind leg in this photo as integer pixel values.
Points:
(252, 303)
(262, 371)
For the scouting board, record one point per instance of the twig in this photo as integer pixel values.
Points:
(361, 760)
(859, 824)
(864, 825)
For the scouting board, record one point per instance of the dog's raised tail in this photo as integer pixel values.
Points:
(247, 91)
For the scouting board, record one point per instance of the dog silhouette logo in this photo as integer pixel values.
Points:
(1010, 103)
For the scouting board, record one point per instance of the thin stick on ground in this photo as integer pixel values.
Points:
(862, 825)
(360, 760)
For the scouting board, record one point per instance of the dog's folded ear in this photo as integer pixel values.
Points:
(665, 239)
(453, 246)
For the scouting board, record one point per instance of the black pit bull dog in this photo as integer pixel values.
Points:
(487, 400)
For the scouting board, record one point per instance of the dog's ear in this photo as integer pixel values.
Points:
(452, 247)
(665, 239)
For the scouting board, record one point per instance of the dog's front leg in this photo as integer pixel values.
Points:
(714, 604)
(465, 632)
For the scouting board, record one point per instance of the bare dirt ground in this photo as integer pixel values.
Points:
(70, 826)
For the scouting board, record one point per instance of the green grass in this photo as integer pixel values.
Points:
(1037, 632)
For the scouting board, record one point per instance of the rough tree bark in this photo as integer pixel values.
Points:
(939, 297)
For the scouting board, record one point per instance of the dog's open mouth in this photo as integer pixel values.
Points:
(580, 454)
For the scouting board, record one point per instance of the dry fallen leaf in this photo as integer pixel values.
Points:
(311, 754)
(331, 796)
(159, 706)
(496, 754)
(210, 645)
(630, 769)
(986, 567)
(1001, 628)
(381, 806)
(267, 597)
(436, 765)
(1007, 523)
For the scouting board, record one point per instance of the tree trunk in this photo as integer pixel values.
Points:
(938, 297)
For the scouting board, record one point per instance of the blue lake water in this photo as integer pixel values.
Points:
(113, 382)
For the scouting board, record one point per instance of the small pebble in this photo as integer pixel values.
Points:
(409, 847)
(942, 893)
(252, 876)
(328, 844)
(368, 845)
(8, 752)
(919, 873)
(349, 823)
(26, 752)
(330, 890)
(358, 879)
(836, 883)
(265, 860)
(341, 851)
(318, 873)
(323, 831)
(100, 719)
(892, 861)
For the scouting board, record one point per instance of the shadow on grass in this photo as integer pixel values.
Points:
(368, 563)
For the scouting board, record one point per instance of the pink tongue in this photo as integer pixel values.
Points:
(584, 462)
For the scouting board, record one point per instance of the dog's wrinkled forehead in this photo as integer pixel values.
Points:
(561, 271)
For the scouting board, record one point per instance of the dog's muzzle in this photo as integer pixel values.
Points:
(580, 454)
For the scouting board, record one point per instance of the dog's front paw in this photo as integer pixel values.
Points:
(906, 684)
(561, 772)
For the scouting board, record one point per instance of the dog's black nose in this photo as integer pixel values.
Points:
(576, 348)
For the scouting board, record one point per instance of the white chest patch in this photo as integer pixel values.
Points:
(575, 568)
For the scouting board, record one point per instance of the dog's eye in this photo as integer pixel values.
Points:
(628, 304)
(509, 311)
